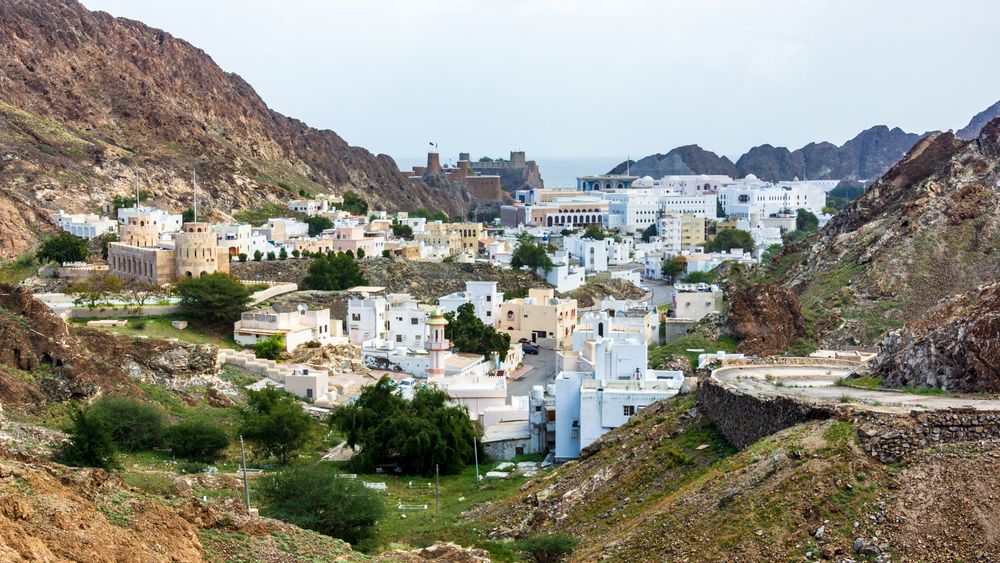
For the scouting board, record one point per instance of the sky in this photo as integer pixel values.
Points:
(587, 78)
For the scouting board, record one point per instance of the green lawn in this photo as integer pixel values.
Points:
(159, 327)
(16, 271)
(680, 347)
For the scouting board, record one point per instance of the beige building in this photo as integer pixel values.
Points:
(692, 230)
(470, 234)
(142, 257)
(539, 318)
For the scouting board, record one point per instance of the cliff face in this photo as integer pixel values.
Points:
(85, 97)
(926, 230)
(766, 319)
(866, 156)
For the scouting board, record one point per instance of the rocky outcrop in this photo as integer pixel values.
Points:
(926, 230)
(88, 97)
(866, 156)
(766, 319)
(955, 346)
(976, 124)
(173, 365)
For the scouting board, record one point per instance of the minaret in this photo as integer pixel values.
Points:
(437, 344)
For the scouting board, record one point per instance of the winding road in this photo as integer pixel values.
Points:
(817, 382)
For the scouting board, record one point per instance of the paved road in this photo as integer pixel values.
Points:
(662, 293)
(818, 383)
(543, 371)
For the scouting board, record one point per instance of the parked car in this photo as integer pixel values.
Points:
(529, 348)
(524, 341)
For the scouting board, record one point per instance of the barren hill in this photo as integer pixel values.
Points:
(86, 97)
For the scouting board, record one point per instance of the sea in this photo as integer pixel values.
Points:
(557, 171)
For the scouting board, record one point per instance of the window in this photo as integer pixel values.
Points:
(355, 317)
(413, 321)
(628, 410)
(399, 338)
(519, 450)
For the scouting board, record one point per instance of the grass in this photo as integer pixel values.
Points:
(259, 215)
(679, 347)
(159, 327)
(17, 270)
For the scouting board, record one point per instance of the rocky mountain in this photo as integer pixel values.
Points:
(86, 99)
(976, 124)
(866, 156)
(925, 231)
(689, 159)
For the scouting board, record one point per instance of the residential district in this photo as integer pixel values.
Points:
(571, 373)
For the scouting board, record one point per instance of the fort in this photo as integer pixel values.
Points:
(143, 257)
(487, 179)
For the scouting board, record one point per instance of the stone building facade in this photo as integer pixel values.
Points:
(142, 257)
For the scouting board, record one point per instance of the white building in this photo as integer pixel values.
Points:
(407, 321)
(638, 322)
(310, 383)
(482, 294)
(753, 196)
(367, 317)
(85, 225)
(696, 301)
(239, 238)
(280, 230)
(592, 254)
(295, 327)
(704, 262)
(634, 210)
(164, 221)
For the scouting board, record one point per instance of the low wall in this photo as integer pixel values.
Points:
(274, 290)
(743, 418)
(891, 438)
(119, 312)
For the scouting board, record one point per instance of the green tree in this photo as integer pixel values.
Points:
(548, 548)
(141, 291)
(196, 440)
(270, 348)
(318, 224)
(770, 253)
(529, 254)
(187, 215)
(333, 272)
(282, 254)
(354, 204)
(95, 289)
(90, 443)
(730, 239)
(63, 248)
(120, 201)
(416, 434)
(213, 299)
(471, 335)
(257, 255)
(271, 256)
(649, 232)
(275, 422)
(429, 215)
(402, 231)
(720, 212)
(104, 240)
(700, 277)
(243, 256)
(594, 232)
(386, 253)
(134, 425)
(312, 497)
(806, 221)
(793, 237)
(673, 267)
(361, 254)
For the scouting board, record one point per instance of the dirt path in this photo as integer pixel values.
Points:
(818, 383)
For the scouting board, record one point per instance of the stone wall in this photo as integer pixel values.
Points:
(893, 437)
(743, 418)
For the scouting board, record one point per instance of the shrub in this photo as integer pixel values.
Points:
(270, 255)
(63, 248)
(257, 255)
(138, 324)
(196, 440)
(282, 254)
(274, 421)
(310, 496)
(214, 299)
(90, 443)
(243, 256)
(188, 467)
(269, 348)
(134, 425)
(296, 253)
(548, 548)
(334, 272)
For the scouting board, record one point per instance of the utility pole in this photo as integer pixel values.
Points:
(194, 190)
(246, 483)
(437, 483)
(136, 174)
(475, 453)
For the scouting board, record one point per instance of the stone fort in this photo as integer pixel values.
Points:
(141, 256)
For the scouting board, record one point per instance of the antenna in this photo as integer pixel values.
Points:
(136, 172)
(194, 190)
(628, 165)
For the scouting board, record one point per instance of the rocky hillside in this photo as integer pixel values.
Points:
(866, 156)
(88, 97)
(978, 121)
(954, 346)
(926, 230)
(666, 484)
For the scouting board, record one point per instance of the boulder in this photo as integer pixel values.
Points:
(766, 319)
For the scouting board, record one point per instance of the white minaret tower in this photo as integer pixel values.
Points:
(437, 344)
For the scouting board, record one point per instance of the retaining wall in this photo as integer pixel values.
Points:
(891, 438)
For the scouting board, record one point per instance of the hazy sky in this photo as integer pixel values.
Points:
(598, 78)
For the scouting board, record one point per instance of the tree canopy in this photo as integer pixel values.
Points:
(471, 335)
(63, 248)
(414, 434)
(730, 239)
(215, 299)
(674, 267)
(594, 232)
(649, 232)
(333, 272)
(354, 203)
(400, 230)
(317, 224)
(806, 220)
(275, 422)
(530, 254)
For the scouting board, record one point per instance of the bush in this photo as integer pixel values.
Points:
(282, 254)
(312, 497)
(138, 324)
(63, 248)
(257, 255)
(730, 239)
(188, 467)
(215, 299)
(270, 255)
(332, 273)
(243, 256)
(296, 253)
(269, 348)
(548, 548)
(134, 425)
(90, 443)
(196, 440)
(274, 421)
(806, 221)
